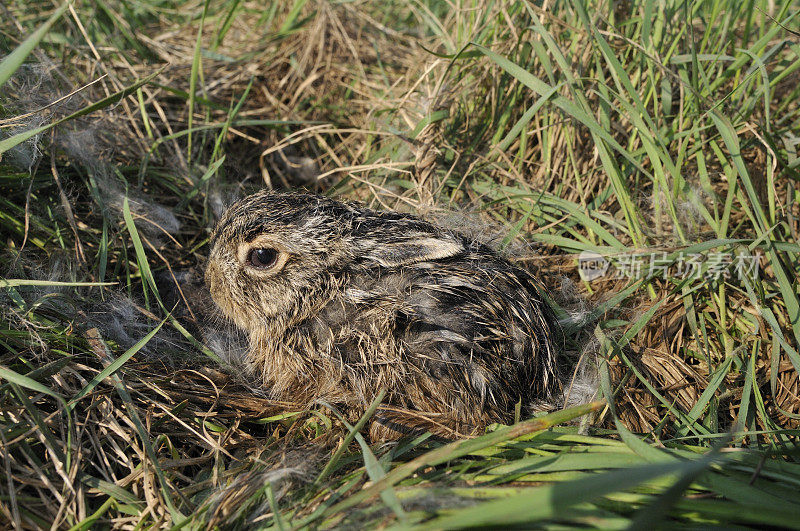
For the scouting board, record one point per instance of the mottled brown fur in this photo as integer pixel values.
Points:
(361, 300)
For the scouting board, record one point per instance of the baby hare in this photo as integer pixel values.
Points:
(340, 301)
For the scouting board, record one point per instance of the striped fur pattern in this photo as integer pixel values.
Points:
(358, 300)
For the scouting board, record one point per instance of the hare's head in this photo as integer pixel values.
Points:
(278, 255)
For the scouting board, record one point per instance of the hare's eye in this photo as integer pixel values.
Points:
(262, 258)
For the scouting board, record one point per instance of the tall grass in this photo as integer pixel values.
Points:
(645, 133)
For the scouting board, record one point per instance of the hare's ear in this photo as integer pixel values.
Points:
(411, 250)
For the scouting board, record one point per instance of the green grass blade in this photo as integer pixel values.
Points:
(461, 448)
(16, 282)
(553, 501)
(111, 368)
(14, 60)
(19, 138)
(28, 383)
(194, 74)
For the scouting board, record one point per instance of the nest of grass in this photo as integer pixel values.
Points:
(358, 101)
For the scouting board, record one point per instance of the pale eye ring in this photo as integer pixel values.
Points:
(262, 258)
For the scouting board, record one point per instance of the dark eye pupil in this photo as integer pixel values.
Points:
(263, 258)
